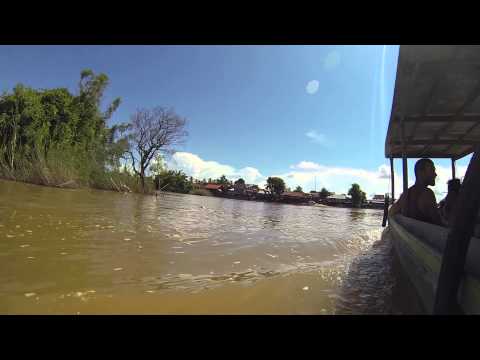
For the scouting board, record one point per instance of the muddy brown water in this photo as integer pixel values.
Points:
(81, 251)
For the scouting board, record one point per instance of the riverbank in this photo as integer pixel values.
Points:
(118, 183)
(303, 202)
(59, 172)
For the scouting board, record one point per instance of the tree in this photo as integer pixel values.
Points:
(33, 122)
(174, 181)
(298, 189)
(153, 131)
(91, 130)
(358, 196)
(158, 165)
(240, 181)
(239, 186)
(222, 180)
(116, 144)
(254, 188)
(16, 113)
(275, 186)
(324, 193)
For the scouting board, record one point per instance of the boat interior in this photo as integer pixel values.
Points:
(435, 114)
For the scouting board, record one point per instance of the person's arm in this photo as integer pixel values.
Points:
(396, 207)
(428, 206)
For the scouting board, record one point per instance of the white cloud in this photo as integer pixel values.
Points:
(384, 171)
(339, 179)
(249, 174)
(312, 87)
(306, 165)
(332, 60)
(195, 166)
(317, 137)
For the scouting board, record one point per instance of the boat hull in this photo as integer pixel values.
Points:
(418, 248)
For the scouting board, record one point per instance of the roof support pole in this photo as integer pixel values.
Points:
(387, 198)
(405, 174)
(404, 157)
(456, 247)
(453, 168)
(392, 175)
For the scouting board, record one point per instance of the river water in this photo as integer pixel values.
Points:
(81, 251)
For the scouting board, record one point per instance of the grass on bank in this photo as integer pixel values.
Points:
(64, 169)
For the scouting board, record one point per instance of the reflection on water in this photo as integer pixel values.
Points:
(357, 214)
(87, 251)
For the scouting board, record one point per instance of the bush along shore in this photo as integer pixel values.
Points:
(52, 137)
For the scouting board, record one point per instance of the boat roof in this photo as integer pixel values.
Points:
(436, 101)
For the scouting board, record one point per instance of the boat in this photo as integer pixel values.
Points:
(436, 114)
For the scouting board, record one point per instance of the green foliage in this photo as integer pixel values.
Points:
(358, 196)
(157, 166)
(49, 136)
(240, 182)
(275, 185)
(239, 186)
(222, 180)
(174, 181)
(52, 137)
(298, 189)
(324, 193)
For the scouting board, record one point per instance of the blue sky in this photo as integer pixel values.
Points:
(305, 113)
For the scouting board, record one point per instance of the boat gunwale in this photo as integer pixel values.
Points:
(430, 258)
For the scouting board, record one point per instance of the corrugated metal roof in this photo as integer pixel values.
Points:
(436, 102)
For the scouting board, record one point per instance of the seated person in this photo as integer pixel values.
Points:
(448, 204)
(419, 201)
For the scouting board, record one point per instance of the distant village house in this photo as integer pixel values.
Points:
(340, 199)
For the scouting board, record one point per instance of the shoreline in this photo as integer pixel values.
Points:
(153, 193)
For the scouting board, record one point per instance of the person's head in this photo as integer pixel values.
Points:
(425, 172)
(453, 185)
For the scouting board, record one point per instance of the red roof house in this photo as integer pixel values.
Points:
(213, 187)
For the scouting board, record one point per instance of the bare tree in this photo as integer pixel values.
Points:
(151, 132)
